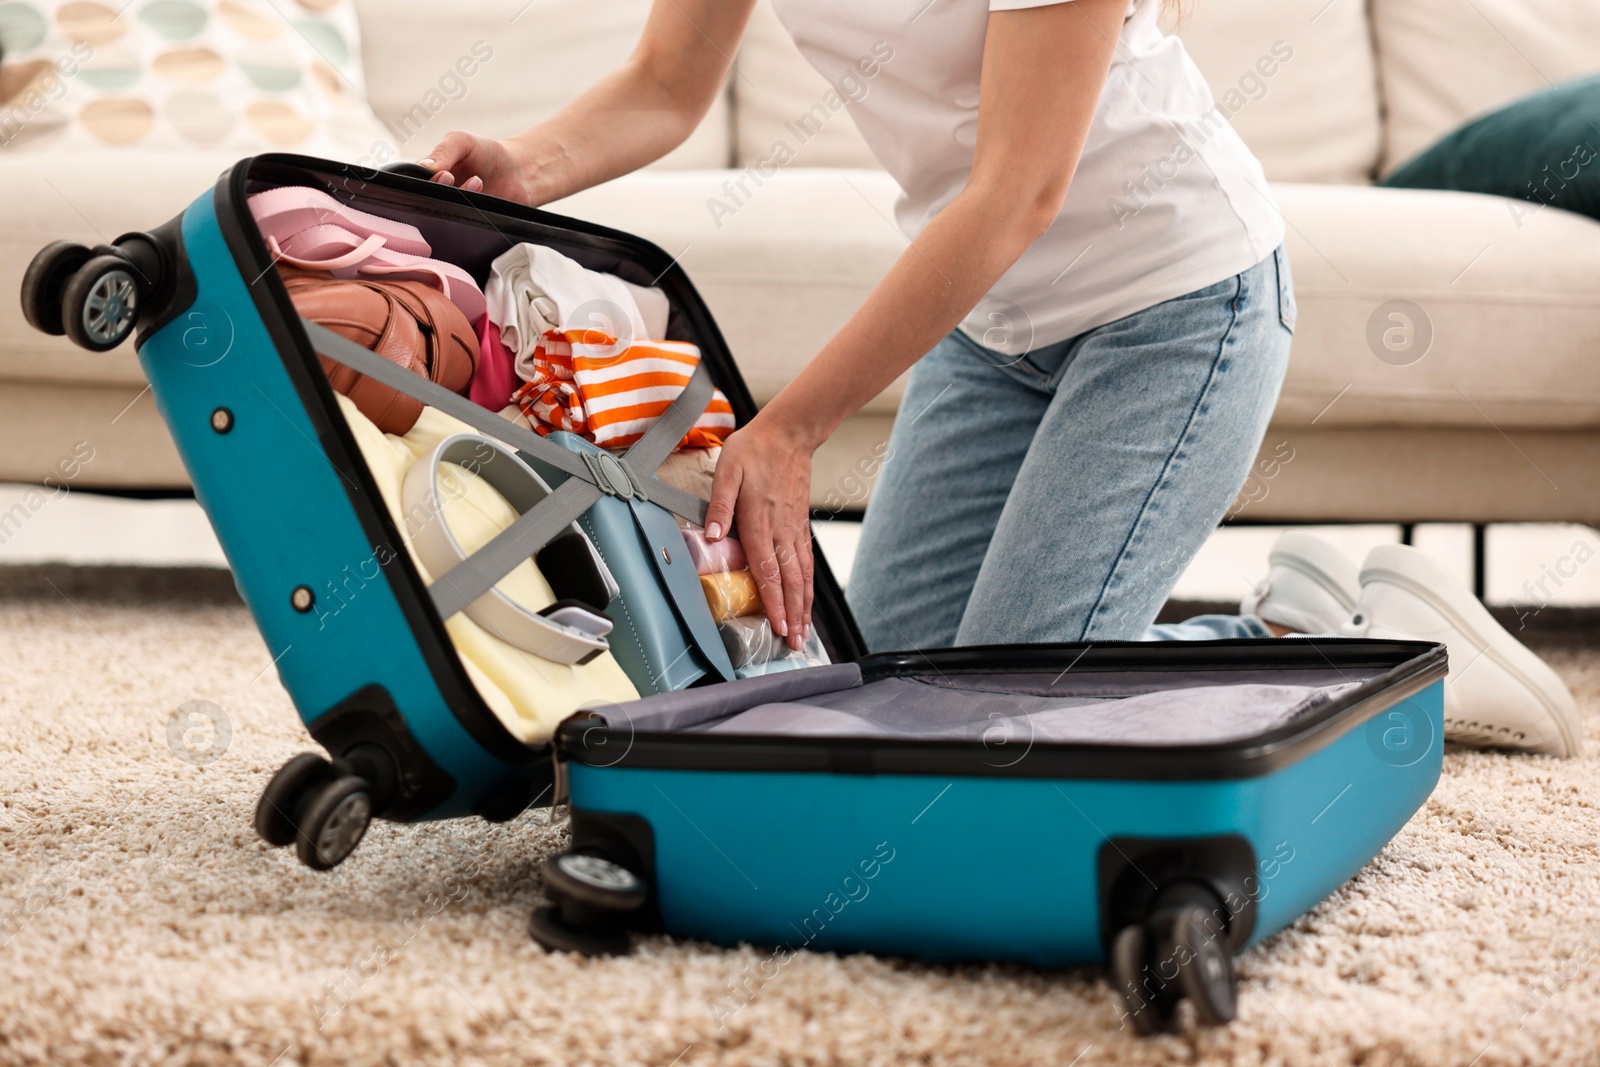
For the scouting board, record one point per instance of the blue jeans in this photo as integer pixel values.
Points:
(1058, 496)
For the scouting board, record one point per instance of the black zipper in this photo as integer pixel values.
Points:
(1406, 667)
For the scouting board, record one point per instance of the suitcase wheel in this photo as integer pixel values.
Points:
(96, 295)
(555, 934)
(310, 804)
(1208, 977)
(100, 303)
(594, 882)
(1147, 1014)
(592, 899)
(46, 280)
(1173, 956)
(275, 811)
(334, 822)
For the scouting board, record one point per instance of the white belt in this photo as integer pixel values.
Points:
(563, 633)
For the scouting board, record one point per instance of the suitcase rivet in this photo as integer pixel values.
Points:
(222, 420)
(302, 599)
(665, 555)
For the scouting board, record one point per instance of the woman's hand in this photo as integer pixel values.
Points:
(479, 164)
(764, 481)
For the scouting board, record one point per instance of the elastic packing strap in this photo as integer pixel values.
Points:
(591, 477)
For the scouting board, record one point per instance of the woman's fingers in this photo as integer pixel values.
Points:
(768, 573)
(807, 584)
(792, 569)
(725, 486)
(456, 146)
(779, 570)
(756, 485)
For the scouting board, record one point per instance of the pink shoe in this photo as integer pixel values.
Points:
(288, 210)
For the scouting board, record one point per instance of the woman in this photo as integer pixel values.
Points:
(1095, 305)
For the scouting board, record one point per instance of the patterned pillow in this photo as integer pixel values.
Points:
(230, 75)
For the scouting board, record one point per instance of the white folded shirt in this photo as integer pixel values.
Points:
(533, 289)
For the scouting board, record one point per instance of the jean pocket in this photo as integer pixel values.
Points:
(1288, 312)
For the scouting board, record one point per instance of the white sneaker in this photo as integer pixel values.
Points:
(1310, 586)
(1499, 694)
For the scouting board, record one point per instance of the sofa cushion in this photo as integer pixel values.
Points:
(1442, 62)
(1297, 80)
(1505, 287)
(1506, 298)
(1423, 474)
(498, 68)
(1500, 326)
(778, 96)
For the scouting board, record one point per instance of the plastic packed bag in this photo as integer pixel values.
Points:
(755, 649)
(731, 594)
(730, 588)
(714, 557)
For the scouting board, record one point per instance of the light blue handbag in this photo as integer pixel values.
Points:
(664, 637)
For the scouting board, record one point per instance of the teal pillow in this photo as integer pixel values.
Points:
(1544, 148)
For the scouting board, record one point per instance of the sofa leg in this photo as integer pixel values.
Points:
(1480, 540)
(1408, 535)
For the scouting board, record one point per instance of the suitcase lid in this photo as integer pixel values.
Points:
(469, 229)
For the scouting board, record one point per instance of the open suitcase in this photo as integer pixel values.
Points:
(1156, 806)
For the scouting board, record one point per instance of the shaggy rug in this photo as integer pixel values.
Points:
(141, 922)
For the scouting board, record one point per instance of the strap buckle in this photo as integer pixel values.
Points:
(612, 477)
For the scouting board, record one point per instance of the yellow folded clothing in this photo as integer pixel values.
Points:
(731, 594)
(529, 694)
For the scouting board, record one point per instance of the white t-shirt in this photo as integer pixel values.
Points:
(1166, 198)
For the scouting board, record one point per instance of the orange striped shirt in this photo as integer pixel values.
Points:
(610, 392)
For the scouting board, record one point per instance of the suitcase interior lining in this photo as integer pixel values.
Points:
(1155, 708)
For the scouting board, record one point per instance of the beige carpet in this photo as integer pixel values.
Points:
(141, 922)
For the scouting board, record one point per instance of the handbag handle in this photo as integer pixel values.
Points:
(504, 471)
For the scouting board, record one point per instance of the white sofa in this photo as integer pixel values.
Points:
(1498, 421)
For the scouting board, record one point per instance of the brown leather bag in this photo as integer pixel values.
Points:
(408, 323)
